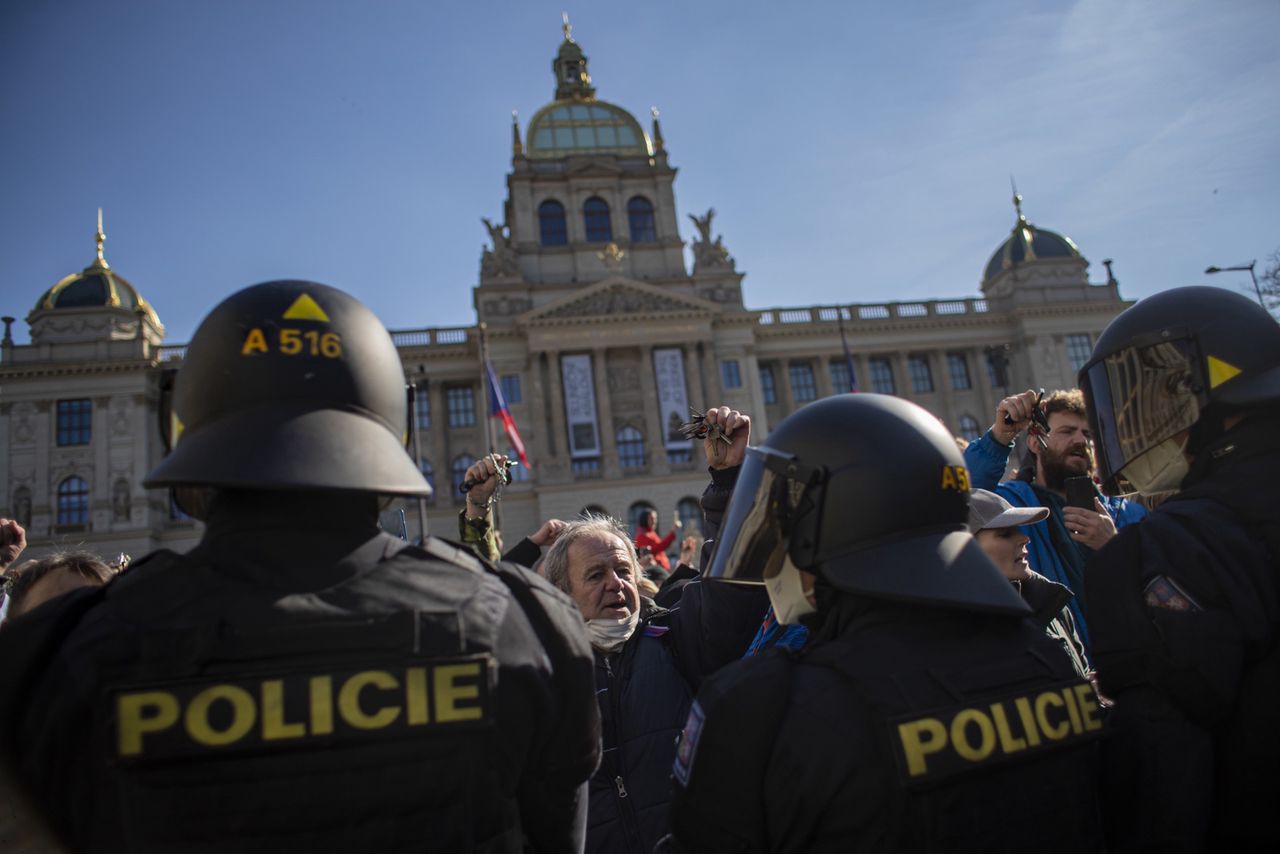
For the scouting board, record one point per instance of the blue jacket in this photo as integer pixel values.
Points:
(986, 460)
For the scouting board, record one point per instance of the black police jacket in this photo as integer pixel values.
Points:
(1187, 643)
(300, 682)
(900, 728)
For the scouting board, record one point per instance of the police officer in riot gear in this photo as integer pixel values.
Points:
(301, 680)
(925, 713)
(1184, 395)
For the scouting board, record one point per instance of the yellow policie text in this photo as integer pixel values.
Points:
(195, 718)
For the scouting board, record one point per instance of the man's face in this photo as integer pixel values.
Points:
(602, 578)
(1069, 452)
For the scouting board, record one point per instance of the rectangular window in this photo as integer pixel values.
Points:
(422, 408)
(921, 376)
(462, 406)
(75, 421)
(992, 377)
(730, 376)
(767, 385)
(803, 387)
(1078, 351)
(510, 388)
(841, 381)
(958, 367)
(882, 377)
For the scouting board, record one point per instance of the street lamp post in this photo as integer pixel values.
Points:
(1242, 267)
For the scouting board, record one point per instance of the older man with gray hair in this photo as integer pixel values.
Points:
(649, 660)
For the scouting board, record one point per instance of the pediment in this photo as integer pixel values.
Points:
(618, 298)
(594, 166)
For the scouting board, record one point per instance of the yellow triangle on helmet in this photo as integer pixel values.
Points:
(305, 308)
(1220, 371)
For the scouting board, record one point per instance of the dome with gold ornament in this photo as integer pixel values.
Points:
(96, 286)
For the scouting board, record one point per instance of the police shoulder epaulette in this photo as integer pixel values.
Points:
(1013, 726)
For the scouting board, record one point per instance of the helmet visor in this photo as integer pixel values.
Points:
(771, 489)
(1139, 397)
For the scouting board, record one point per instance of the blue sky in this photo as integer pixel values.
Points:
(854, 152)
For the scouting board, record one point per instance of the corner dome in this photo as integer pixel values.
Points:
(1028, 243)
(570, 127)
(96, 286)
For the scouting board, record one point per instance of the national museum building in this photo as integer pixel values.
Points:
(599, 334)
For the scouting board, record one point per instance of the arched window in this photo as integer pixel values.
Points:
(634, 512)
(969, 428)
(519, 474)
(595, 216)
(429, 475)
(592, 510)
(458, 473)
(690, 511)
(640, 218)
(630, 448)
(73, 502)
(551, 223)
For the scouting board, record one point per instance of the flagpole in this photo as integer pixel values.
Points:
(414, 391)
(488, 414)
(848, 357)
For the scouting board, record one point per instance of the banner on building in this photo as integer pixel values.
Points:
(580, 406)
(673, 397)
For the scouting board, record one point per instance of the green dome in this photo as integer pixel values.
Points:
(585, 127)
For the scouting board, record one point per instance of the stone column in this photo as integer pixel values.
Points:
(822, 376)
(901, 376)
(783, 382)
(604, 413)
(652, 417)
(942, 382)
(560, 432)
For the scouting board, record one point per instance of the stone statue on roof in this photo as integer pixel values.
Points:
(501, 259)
(709, 254)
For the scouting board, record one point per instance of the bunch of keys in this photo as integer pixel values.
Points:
(698, 428)
(1039, 423)
(504, 477)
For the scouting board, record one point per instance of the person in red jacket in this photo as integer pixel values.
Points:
(647, 537)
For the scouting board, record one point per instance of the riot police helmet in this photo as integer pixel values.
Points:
(1166, 372)
(869, 492)
(290, 385)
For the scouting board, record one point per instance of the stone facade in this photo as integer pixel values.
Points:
(600, 291)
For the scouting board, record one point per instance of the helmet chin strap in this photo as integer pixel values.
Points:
(787, 594)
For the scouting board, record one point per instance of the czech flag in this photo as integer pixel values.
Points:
(498, 409)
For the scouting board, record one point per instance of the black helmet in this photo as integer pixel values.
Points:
(290, 385)
(870, 492)
(1166, 363)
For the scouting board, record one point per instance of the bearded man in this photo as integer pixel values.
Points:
(1059, 548)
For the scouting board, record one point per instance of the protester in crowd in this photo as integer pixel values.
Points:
(301, 680)
(647, 536)
(13, 539)
(475, 520)
(881, 735)
(35, 582)
(995, 524)
(649, 661)
(1071, 535)
(1184, 390)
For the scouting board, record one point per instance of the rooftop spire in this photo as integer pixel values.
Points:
(570, 68)
(516, 147)
(101, 238)
(658, 144)
(1017, 200)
